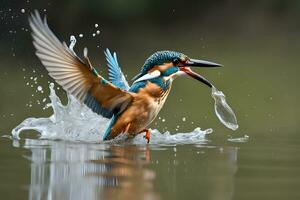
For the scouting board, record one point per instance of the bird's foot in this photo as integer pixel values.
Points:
(147, 135)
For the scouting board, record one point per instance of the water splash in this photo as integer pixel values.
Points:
(243, 139)
(76, 122)
(223, 110)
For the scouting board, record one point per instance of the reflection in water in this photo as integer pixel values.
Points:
(68, 170)
(61, 170)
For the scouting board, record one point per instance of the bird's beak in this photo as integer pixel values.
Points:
(201, 63)
(198, 63)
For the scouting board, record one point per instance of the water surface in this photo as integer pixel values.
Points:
(47, 169)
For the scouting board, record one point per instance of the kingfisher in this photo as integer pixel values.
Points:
(131, 109)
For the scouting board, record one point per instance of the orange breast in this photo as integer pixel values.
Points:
(142, 111)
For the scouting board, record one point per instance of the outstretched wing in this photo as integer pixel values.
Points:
(114, 71)
(75, 76)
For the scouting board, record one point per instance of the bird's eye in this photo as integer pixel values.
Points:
(176, 61)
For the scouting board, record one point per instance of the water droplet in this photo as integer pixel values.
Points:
(39, 88)
(80, 35)
(72, 42)
(183, 119)
(96, 25)
(22, 10)
(98, 32)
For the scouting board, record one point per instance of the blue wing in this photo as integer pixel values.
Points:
(108, 128)
(114, 71)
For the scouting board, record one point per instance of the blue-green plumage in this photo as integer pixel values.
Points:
(114, 71)
(94, 71)
(117, 78)
(136, 86)
(170, 71)
(93, 104)
(158, 58)
(108, 128)
(164, 85)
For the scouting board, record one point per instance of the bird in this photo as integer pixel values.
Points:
(131, 109)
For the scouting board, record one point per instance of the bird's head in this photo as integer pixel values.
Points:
(169, 65)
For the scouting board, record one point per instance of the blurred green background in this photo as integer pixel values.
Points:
(257, 41)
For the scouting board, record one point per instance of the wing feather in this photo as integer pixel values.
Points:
(75, 76)
(115, 73)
